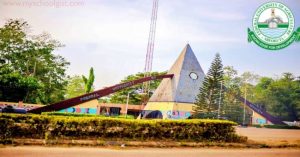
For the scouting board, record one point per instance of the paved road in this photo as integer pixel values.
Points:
(37, 151)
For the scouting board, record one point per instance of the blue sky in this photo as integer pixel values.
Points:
(111, 35)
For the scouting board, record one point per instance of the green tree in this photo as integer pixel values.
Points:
(249, 77)
(248, 81)
(285, 97)
(247, 87)
(13, 86)
(280, 97)
(207, 101)
(232, 107)
(75, 87)
(135, 96)
(261, 92)
(88, 82)
(32, 56)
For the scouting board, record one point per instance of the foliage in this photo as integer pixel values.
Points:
(247, 85)
(250, 78)
(75, 87)
(281, 96)
(232, 107)
(286, 93)
(15, 86)
(31, 56)
(261, 93)
(54, 127)
(235, 85)
(281, 127)
(88, 82)
(134, 97)
(210, 94)
(276, 126)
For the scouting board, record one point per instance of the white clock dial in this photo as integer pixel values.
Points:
(193, 76)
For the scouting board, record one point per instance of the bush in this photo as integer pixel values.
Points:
(275, 126)
(281, 127)
(63, 127)
(257, 125)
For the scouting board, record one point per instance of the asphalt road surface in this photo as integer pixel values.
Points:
(38, 151)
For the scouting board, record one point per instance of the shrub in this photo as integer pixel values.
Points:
(281, 127)
(275, 126)
(64, 127)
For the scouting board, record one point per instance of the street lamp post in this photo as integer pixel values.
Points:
(245, 101)
(219, 106)
(127, 105)
(127, 101)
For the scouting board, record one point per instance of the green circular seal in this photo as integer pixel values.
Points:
(273, 26)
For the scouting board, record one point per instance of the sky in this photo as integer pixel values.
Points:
(111, 35)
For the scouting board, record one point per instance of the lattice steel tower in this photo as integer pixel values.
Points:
(150, 46)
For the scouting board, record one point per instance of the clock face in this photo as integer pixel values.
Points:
(193, 76)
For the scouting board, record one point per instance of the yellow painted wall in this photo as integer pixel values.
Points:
(258, 119)
(90, 107)
(162, 106)
(171, 110)
(89, 104)
(183, 107)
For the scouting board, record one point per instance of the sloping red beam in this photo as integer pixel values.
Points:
(263, 113)
(95, 95)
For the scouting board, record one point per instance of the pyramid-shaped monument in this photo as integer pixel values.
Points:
(175, 97)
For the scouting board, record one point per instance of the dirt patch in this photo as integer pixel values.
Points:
(270, 136)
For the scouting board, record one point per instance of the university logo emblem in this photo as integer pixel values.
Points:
(273, 27)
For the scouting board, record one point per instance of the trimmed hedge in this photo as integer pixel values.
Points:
(62, 127)
(276, 126)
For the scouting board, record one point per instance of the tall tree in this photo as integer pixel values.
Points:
(249, 77)
(135, 96)
(261, 93)
(280, 97)
(210, 95)
(88, 82)
(75, 87)
(14, 86)
(248, 81)
(285, 96)
(30, 55)
(232, 107)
